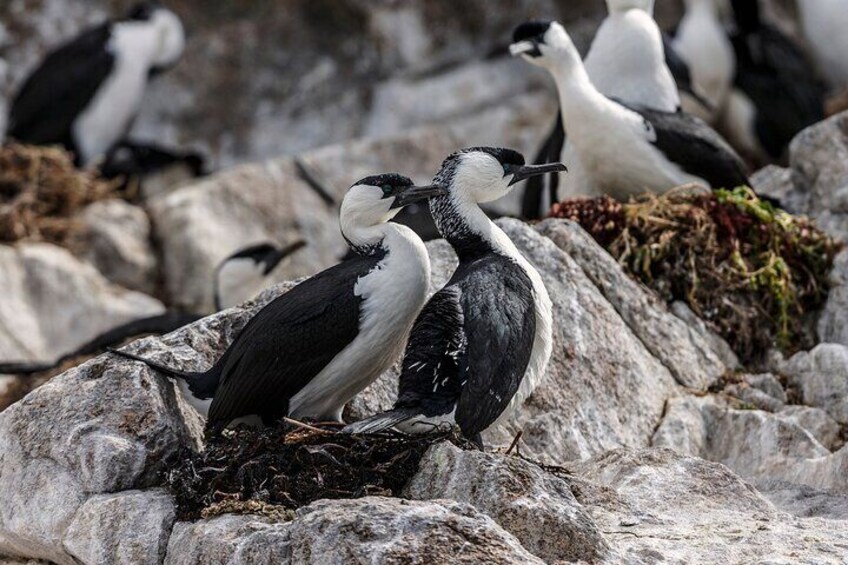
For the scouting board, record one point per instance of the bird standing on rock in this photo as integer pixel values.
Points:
(482, 343)
(311, 350)
(626, 150)
(86, 94)
(630, 60)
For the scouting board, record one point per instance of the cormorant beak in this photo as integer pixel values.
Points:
(529, 47)
(525, 172)
(277, 256)
(414, 194)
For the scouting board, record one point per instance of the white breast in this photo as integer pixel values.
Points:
(825, 24)
(627, 61)
(110, 114)
(392, 296)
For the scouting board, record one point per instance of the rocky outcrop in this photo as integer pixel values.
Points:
(833, 322)
(52, 303)
(821, 376)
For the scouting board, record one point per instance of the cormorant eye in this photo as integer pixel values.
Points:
(387, 189)
(508, 169)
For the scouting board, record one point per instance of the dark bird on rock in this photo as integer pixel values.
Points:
(86, 94)
(482, 343)
(311, 350)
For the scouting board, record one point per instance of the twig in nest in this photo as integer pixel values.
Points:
(306, 426)
(514, 443)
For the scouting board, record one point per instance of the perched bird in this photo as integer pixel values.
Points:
(245, 273)
(311, 350)
(631, 60)
(238, 278)
(824, 23)
(626, 149)
(776, 92)
(482, 343)
(86, 93)
(702, 43)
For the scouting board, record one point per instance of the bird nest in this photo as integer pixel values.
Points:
(753, 272)
(41, 192)
(273, 471)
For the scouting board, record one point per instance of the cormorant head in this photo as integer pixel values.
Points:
(545, 44)
(377, 199)
(617, 6)
(168, 29)
(486, 174)
(242, 275)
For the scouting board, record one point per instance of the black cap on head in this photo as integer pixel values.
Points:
(393, 180)
(530, 30)
(143, 11)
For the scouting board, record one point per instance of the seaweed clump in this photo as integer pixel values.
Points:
(752, 271)
(41, 192)
(273, 471)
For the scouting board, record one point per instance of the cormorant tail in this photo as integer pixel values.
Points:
(381, 422)
(167, 371)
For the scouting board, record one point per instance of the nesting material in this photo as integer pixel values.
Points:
(273, 471)
(41, 192)
(753, 272)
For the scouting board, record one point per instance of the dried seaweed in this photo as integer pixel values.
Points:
(41, 192)
(752, 271)
(276, 470)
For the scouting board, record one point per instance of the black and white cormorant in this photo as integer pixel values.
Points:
(630, 60)
(86, 93)
(311, 350)
(238, 278)
(482, 343)
(776, 92)
(624, 149)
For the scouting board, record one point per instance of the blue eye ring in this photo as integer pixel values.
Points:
(387, 189)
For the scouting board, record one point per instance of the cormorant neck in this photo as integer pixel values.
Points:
(579, 100)
(463, 224)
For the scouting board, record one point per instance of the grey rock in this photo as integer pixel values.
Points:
(231, 539)
(833, 322)
(776, 181)
(654, 505)
(130, 527)
(52, 303)
(754, 397)
(822, 377)
(687, 355)
(534, 506)
(804, 501)
(768, 384)
(118, 243)
(817, 422)
(386, 530)
(819, 161)
(696, 324)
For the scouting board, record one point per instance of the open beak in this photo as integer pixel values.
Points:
(526, 47)
(527, 171)
(416, 194)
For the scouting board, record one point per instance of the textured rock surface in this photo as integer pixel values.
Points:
(816, 421)
(129, 528)
(238, 540)
(52, 303)
(688, 356)
(118, 244)
(536, 507)
(821, 375)
(833, 323)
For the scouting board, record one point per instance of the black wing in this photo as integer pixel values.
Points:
(680, 71)
(549, 152)
(695, 147)
(780, 81)
(471, 345)
(288, 343)
(53, 96)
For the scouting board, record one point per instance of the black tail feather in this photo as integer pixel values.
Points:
(167, 371)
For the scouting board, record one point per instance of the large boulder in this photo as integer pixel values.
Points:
(821, 376)
(52, 303)
(833, 323)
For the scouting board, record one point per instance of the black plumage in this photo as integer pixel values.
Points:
(777, 78)
(694, 146)
(56, 93)
(282, 347)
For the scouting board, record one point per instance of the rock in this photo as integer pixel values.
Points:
(776, 181)
(683, 351)
(534, 506)
(654, 505)
(696, 324)
(768, 384)
(229, 539)
(754, 397)
(757, 445)
(804, 501)
(819, 160)
(817, 422)
(833, 323)
(131, 527)
(53, 303)
(118, 244)
(821, 375)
